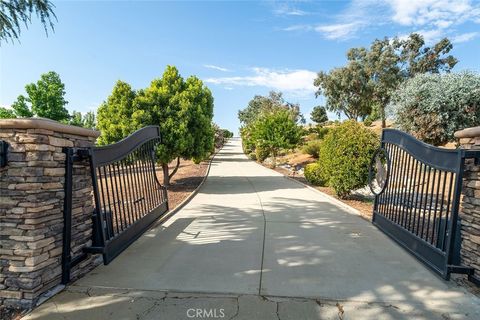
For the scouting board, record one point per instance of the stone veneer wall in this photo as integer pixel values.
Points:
(31, 207)
(470, 204)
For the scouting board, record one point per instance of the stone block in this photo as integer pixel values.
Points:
(32, 261)
(10, 294)
(54, 171)
(59, 142)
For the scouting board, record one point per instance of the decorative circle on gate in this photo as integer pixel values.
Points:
(379, 171)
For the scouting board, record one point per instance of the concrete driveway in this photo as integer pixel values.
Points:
(255, 245)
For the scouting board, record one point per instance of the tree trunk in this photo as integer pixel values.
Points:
(176, 168)
(384, 120)
(166, 177)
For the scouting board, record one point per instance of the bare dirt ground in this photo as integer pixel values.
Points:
(185, 181)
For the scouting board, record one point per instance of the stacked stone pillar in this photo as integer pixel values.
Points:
(31, 207)
(470, 204)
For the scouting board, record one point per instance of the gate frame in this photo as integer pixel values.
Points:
(451, 160)
(99, 156)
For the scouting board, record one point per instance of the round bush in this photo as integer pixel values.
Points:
(312, 148)
(313, 174)
(345, 155)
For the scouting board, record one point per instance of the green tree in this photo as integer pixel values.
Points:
(276, 130)
(433, 106)
(76, 119)
(116, 115)
(89, 120)
(372, 75)
(86, 120)
(21, 109)
(319, 115)
(198, 102)
(184, 111)
(7, 113)
(260, 104)
(14, 13)
(45, 98)
(347, 90)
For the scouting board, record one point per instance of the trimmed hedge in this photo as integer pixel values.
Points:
(345, 155)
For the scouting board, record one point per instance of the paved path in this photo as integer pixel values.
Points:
(255, 245)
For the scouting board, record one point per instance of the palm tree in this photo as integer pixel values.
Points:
(14, 13)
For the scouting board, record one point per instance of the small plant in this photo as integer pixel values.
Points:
(345, 155)
(313, 174)
(312, 148)
(261, 153)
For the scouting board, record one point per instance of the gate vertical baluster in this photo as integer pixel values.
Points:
(426, 201)
(126, 191)
(413, 204)
(118, 216)
(434, 229)
(431, 203)
(132, 187)
(447, 220)
(391, 184)
(440, 215)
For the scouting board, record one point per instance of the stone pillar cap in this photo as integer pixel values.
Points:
(468, 133)
(46, 124)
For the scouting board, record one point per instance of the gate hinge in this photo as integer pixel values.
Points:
(77, 154)
(3, 153)
(460, 269)
(472, 154)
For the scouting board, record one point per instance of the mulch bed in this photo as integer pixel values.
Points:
(185, 181)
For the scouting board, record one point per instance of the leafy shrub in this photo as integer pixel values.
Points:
(313, 174)
(252, 156)
(433, 106)
(321, 132)
(345, 155)
(312, 147)
(261, 153)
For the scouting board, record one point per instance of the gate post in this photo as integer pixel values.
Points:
(32, 204)
(469, 139)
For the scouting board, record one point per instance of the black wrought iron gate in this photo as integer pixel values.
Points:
(418, 199)
(127, 195)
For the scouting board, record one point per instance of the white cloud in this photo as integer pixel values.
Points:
(434, 18)
(431, 36)
(295, 82)
(437, 12)
(287, 10)
(437, 17)
(339, 31)
(299, 27)
(211, 66)
(465, 37)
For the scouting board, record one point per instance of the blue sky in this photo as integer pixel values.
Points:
(238, 48)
